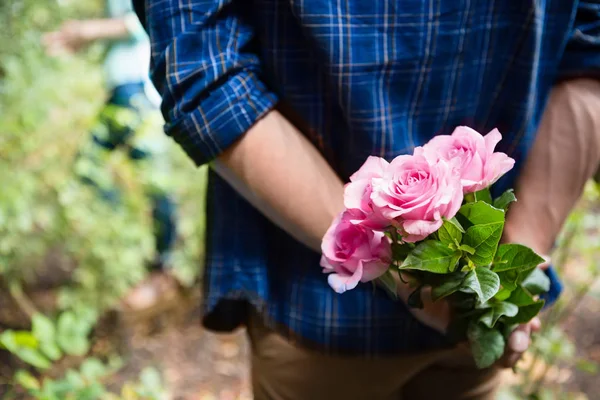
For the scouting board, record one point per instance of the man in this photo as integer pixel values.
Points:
(122, 125)
(287, 99)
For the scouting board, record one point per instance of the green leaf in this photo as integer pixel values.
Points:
(51, 350)
(449, 233)
(537, 282)
(520, 297)
(72, 334)
(515, 256)
(42, 328)
(498, 310)
(26, 380)
(526, 313)
(13, 340)
(467, 249)
(487, 344)
(484, 282)
(503, 293)
(25, 346)
(483, 195)
(400, 251)
(484, 240)
(45, 332)
(432, 256)
(93, 369)
(505, 199)
(451, 284)
(480, 213)
(33, 357)
(508, 279)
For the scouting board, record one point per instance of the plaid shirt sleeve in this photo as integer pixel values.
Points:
(582, 52)
(208, 79)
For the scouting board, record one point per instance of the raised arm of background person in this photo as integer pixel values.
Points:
(218, 108)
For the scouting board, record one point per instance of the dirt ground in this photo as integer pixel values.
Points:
(196, 364)
(200, 365)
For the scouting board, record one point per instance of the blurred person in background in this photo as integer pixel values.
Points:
(120, 126)
(286, 99)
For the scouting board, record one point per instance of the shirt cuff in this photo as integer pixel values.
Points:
(223, 117)
(580, 66)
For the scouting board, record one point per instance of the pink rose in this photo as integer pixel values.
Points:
(353, 253)
(357, 194)
(473, 155)
(417, 195)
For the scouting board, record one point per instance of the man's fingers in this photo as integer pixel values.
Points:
(536, 324)
(519, 340)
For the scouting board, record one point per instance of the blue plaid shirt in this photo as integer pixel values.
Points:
(375, 77)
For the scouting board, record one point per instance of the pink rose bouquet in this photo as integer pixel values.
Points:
(431, 215)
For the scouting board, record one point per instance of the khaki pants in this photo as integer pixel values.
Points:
(282, 371)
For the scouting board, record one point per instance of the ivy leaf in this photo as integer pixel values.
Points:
(452, 283)
(487, 344)
(450, 233)
(498, 310)
(515, 256)
(484, 282)
(505, 199)
(432, 256)
(536, 282)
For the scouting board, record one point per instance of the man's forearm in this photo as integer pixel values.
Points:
(565, 155)
(283, 175)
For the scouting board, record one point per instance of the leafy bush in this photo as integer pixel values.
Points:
(47, 108)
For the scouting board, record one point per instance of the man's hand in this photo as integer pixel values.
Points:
(438, 315)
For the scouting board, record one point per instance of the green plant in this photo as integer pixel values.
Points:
(47, 109)
(89, 383)
(579, 244)
(48, 340)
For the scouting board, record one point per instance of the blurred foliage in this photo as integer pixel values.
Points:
(88, 383)
(47, 108)
(553, 351)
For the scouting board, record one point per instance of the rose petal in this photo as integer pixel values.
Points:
(342, 282)
(491, 140)
(373, 269)
(421, 228)
(372, 168)
(355, 192)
